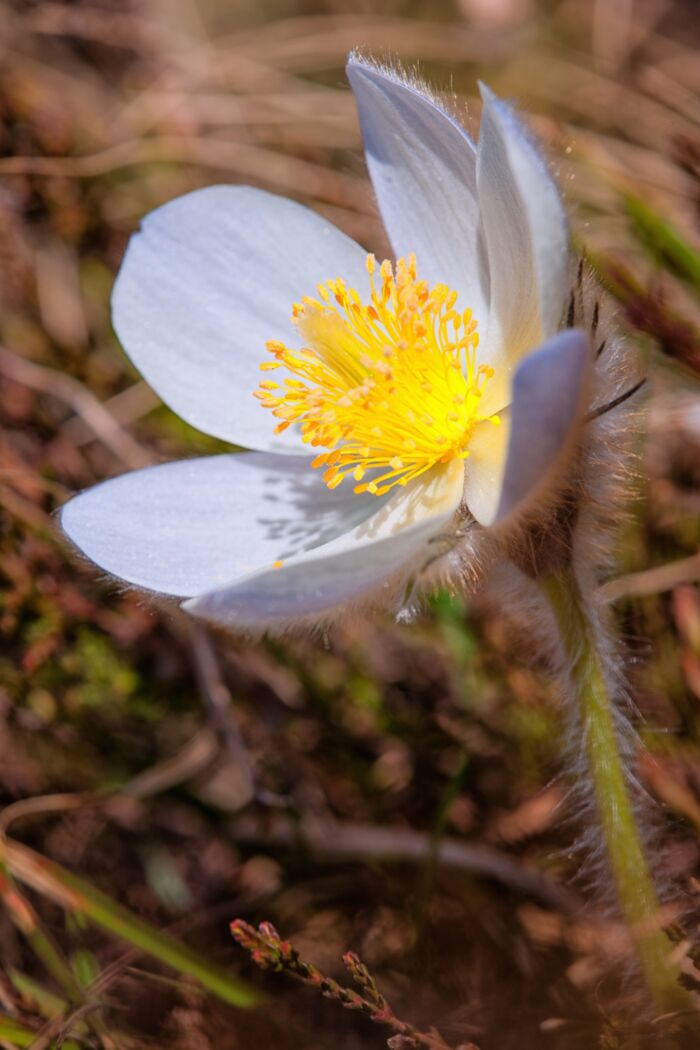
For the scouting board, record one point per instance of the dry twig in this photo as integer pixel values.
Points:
(270, 952)
(336, 841)
(85, 404)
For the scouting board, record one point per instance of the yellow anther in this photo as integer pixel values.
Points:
(389, 385)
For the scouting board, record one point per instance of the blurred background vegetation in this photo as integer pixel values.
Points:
(394, 790)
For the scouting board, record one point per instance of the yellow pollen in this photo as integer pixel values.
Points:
(392, 386)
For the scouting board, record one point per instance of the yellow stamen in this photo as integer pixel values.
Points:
(392, 386)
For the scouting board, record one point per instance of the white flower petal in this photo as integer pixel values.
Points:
(550, 394)
(207, 281)
(526, 234)
(187, 527)
(423, 168)
(355, 564)
(484, 467)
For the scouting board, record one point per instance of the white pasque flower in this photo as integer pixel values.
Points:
(393, 420)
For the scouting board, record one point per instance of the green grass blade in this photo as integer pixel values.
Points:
(13, 1033)
(664, 242)
(43, 1000)
(76, 895)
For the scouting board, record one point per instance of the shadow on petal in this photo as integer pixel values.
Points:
(358, 564)
(186, 527)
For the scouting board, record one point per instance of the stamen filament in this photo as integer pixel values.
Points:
(392, 386)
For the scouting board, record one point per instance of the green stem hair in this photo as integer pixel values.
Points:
(633, 881)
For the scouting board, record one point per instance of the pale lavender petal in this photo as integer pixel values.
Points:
(356, 565)
(550, 394)
(207, 281)
(484, 467)
(423, 168)
(526, 233)
(187, 527)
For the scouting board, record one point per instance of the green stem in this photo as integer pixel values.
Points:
(632, 877)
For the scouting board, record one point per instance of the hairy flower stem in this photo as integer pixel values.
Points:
(634, 884)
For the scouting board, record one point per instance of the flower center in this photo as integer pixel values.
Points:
(389, 388)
